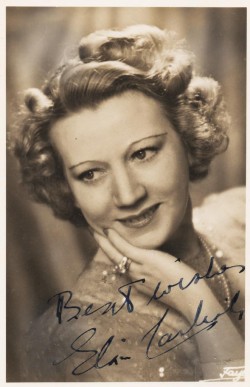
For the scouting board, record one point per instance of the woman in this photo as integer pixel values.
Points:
(112, 141)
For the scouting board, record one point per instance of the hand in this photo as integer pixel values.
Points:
(153, 265)
(157, 266)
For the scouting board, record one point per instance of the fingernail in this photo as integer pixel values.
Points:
(106, 231)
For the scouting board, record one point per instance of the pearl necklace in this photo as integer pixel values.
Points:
(217, 283)
(220, 280)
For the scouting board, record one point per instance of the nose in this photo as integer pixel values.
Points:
(127, 189)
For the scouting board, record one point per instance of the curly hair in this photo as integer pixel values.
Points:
(142, 58)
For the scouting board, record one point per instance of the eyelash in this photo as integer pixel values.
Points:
(153, 151)
(83, 175)
(134, 156)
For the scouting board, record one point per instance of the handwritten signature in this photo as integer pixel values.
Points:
(203, 322)
(112, 307)
(92, 354)
(93, 358)
(194, 280)
(125, 291)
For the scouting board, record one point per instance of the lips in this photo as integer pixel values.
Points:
(141, 220)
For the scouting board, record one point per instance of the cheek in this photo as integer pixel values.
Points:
(170, 178)
(94, 204)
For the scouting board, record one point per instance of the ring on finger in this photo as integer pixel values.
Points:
(124, 265)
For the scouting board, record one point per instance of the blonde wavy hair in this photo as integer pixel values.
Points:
(110, 62)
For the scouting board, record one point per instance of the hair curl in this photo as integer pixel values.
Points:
(142, 58)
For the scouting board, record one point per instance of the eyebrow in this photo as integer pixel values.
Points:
(132, 143)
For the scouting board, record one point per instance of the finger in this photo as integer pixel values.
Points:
(137, 254)
(113, 254)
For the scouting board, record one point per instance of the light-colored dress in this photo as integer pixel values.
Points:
(112, 347)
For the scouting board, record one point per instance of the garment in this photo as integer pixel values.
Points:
(118, 337)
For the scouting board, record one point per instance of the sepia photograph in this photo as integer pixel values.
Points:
(126, 198)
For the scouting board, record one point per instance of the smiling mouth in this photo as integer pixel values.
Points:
(140, 220)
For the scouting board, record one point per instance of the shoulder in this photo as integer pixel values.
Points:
(221, 218)
(229, 204)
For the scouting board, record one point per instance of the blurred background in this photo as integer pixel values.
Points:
(46, 255)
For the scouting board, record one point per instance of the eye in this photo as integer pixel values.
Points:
(90, 176)
(141, 154)
(144, 154)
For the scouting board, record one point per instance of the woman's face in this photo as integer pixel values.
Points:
(127, 168)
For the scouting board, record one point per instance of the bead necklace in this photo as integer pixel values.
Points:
(217, 282)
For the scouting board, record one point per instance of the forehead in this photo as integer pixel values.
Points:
(113, 125)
